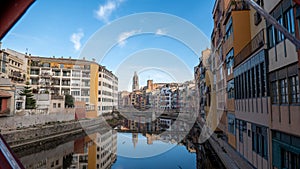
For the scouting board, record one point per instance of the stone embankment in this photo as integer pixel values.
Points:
(42, 133)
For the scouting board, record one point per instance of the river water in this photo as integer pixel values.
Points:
(130, 147)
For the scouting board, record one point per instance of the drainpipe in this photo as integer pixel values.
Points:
(14, 89)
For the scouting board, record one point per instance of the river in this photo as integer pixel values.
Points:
(124, 148)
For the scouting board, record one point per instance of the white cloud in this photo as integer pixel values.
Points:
(104, 11)
(125, 35)
(76, 38)
(161, 32)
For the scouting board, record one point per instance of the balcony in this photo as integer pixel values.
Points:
(56, 83)
(66, 73)
(45, 83)
(65, 83)
(85, 75)
(75, 84)
(236, 5)
(56, 73)
(55, 97)
(257, 42)
(46, 74)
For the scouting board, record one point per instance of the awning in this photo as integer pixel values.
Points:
(4, 94)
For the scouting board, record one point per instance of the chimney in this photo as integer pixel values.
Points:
(83, 58)
(0, 45)
(94, 60)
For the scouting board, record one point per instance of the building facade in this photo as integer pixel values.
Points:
(251, 95)
(259, 70)
(85, 80)
(13, 65)
(108, 91)
(284, 85)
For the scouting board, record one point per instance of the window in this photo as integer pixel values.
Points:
(58, 105)
(271, 36)
(258, 81)
(286, 19)
(254, 82)
(241, 127)
(236, 93)
(76, 74)
(242, 86)
(283, 91)
(18, 106)
(259, 140)
(75, 93)
(289, 160)
(46, 64)
(54, 105)
(274, 90)
(279, 35)
(289, 23)
(230, 89)
(229, 29)
(294, 88)
(263, 79)
(230, 62)
(231, 123)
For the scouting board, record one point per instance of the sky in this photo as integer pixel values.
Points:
(161, 40)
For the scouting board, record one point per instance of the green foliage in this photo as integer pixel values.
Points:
(69, 101)
(30, 102)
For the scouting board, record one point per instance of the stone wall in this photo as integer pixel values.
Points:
(36, 119)
(20, 136)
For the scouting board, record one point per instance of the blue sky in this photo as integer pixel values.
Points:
(65, 27)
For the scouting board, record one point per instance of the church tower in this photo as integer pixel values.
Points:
(135, 82)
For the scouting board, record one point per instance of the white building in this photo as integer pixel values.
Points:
(107, 91)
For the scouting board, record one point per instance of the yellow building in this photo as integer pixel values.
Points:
(237, 34)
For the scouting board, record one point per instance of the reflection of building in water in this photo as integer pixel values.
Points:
(54, 158)
(99, 151)
(135, 139)
(165, 123)
(151, 138)
(80, 156)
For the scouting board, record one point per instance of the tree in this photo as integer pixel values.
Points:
(30, 102)
(69, 100)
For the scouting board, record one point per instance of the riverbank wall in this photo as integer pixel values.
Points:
(20, 121)
(42, 133)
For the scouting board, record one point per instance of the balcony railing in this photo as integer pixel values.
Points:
(54, 97)
(257, 42)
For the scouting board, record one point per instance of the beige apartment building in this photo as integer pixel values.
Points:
(261, 70)
(251, 95)
(284, 85)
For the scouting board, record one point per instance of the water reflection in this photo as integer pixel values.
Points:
(143, 152)
(98, 150)
(160, 143)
